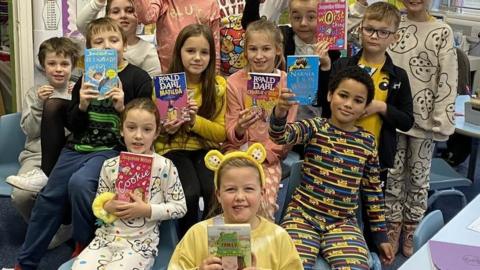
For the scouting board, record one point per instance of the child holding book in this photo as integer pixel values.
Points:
(171, 16)
(132, 226)
(58, 56)
(340, 164)
(239, 185)
(139, 52)
(425, 50)
(263, 50)
(187, 142)
(94, 125)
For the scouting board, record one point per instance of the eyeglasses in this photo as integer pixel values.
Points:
(380, 33)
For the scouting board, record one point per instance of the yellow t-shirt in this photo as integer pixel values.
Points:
(373, 123)
(271, 244)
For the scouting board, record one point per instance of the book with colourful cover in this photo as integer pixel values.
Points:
(302, 77)
(332, 24)
(451, 256)
(171, 96)
(101, 69)
(231, 243)
(134, 175)
(262, 93)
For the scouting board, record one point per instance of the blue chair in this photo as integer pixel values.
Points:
(12, 142)
(427, 228)
(294, 180)
(444, 180)
(166, 246)
(287, 163)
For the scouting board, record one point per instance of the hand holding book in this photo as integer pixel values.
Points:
(87, 94)
(127, 210)
(246, 118)
(285, 101)
(117, 95)
(321, 49)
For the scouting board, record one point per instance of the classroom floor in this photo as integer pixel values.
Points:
(13, 228)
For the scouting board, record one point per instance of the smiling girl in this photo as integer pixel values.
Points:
(264, 53)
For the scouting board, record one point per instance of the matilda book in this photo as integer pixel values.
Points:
(101, 69)
(134, 175)
(262, 93)
(231, 243)
(171, 96)
(450, 256)
(332, 24)
(302, 77)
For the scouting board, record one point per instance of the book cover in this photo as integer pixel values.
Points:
(101, 69)
(450, 256)
(231, 243)
(332, 24)
(262, 93)
(134, 175)
(302, 77)
(171, 96)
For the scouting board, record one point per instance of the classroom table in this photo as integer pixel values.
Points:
(455, 231)
(470, 130)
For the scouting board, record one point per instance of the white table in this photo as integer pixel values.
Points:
(455, 231)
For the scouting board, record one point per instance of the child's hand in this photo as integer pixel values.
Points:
(284, 102)
(376, 106)
(117, 95)
(246, 118)
(192, 111)
(44, 92)
(386, 253)
(135, 209)
(111, 205)
(321, 49)
(172, 126)
(254, 263)
(70, 88)
(211, 263)
(87, 94)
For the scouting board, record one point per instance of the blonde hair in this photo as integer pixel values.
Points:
(383, 11)
(268, 28)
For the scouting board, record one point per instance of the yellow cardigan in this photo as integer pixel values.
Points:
(271, 244)
(206, 133)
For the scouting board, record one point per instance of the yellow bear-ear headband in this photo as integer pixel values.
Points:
(255, 153)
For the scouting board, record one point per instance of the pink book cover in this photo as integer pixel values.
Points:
(263, 91)
(450, 256)
(134, 175)
(332, 24)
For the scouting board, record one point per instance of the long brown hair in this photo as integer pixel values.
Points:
(208, 108)
(270, 29)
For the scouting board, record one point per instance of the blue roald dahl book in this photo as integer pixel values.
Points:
(101, 69)
(171, 96)
(302, 77)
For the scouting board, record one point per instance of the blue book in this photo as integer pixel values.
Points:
(302, 77)
(101, 69)
(172, 96)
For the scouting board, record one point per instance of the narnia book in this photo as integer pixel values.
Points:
(332, 24)
(262, 93)
(231, 243)
(101, 69)
(134, 175)
(171, 96)
(302, 77)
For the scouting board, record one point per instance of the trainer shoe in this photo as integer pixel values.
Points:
(33, 180)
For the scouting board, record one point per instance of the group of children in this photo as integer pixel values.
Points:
(372, 134)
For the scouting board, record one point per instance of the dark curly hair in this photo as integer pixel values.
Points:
(354, 73)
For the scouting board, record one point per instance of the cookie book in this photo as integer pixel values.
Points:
(134, 175)
(262, 93)
(332, 24)
(101, 69)
(451, 256)
(231, 243)
(171, 96)
(302, 77)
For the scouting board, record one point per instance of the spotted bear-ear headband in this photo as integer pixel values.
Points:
(255, 153)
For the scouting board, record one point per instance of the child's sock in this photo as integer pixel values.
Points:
(78, 249)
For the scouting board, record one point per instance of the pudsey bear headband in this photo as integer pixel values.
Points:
(256, 153)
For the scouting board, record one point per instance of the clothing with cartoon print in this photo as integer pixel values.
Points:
(425, 50)
(132, 243)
